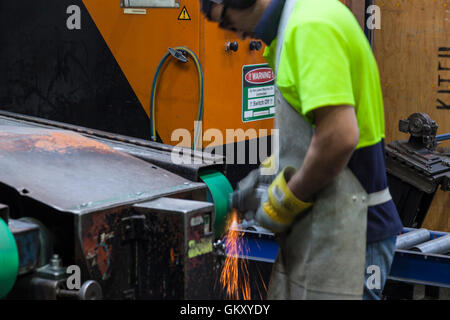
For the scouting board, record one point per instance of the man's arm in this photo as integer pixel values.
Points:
(336, 137)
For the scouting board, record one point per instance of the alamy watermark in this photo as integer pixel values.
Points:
(229, 143)
(374, 19)
(73, 282)
(374, 280)
(73, 22)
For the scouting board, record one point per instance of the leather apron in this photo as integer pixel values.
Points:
(322, 255)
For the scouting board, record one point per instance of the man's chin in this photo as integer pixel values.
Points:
(248, 35)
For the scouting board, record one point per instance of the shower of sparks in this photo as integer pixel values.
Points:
(235, 275)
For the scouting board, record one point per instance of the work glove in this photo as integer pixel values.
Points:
(279, 206)
(246, 199)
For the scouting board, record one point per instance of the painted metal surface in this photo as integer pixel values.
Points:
(149, 151)
(76, 174)
(180, 251)
(138, 45)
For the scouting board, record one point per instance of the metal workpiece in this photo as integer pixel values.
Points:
(72, 173)
(410, 239)
(440, 245)
(155, 153)
(190, 168)
(427, 263)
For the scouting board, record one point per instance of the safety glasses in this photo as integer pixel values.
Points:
(224, 23)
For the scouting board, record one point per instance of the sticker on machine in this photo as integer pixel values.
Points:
(258, 92)
(199, 247)
(184, 15)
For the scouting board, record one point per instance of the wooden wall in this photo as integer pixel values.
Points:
(358, 7)
(412, 49)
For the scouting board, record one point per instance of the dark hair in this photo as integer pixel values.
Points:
(235, 4)
(239, 4)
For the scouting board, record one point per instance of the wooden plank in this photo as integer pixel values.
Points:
(358, 7)
(412, 49)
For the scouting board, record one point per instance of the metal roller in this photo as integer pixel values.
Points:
(412, 238)
(439, 245)
(220, 188)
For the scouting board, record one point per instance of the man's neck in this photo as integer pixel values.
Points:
(267, 26)
(258, 9)
(262, 6)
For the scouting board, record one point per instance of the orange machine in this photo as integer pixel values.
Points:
(140, 37)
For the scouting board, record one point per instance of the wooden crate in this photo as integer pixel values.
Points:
(412, 49)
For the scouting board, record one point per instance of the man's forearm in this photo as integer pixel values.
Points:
(323, 162)
(331, 147)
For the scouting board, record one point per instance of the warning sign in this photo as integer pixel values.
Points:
(258, 92)
(184, 15)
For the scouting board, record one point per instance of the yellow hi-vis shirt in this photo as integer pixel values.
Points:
(327, 60)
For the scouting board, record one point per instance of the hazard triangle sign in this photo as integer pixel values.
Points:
(184, 15)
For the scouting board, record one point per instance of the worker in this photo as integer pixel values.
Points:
(329, 205)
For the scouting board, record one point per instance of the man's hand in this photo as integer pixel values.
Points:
(280, 206)
(244, 198)
(247, 197)
(335, 138)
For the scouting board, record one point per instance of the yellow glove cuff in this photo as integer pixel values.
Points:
(283, 206)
